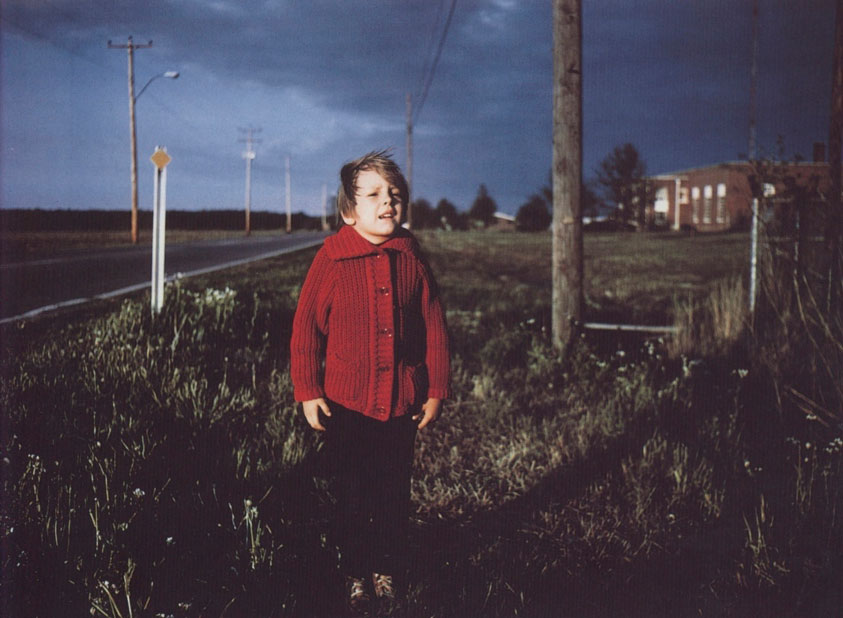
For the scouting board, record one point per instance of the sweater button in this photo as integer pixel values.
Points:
(383, 290)
(380, 410)
(386, 332)
(384, 368)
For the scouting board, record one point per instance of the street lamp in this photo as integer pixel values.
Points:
(170, 74)
(132, 99)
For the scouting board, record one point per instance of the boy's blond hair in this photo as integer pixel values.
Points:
(380, 162)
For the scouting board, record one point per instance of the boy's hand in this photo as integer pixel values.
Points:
(430, 412)
(311, 412)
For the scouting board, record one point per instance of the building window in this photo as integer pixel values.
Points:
(721, 203)
(661, 206)
(695, 204)
(683, 195)
(707, 198)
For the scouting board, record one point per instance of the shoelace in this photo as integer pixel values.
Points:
(384, 587)
(358, 589)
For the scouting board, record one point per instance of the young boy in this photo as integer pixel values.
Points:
(370, 364)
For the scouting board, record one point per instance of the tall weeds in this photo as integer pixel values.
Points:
(158, 466)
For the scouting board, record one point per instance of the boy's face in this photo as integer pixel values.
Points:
(378, 209)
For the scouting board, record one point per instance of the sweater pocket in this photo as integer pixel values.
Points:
(343, 378)
(415, 384)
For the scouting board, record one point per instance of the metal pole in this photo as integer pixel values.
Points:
(567, 297)
(753, 257)
(159, 227)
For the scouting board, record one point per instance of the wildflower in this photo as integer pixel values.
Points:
(743, 373)
(170, 541)
(139, 493)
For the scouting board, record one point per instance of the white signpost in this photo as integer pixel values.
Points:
(160, 158)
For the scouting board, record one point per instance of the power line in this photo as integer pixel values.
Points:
(53, 43)
(431, 43)
(436, 59)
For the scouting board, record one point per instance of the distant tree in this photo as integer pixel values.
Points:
(622, 175)
(423, 215)
(534, 215)
(447, 215)
(484, 208)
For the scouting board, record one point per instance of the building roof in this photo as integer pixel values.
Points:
(732, 164)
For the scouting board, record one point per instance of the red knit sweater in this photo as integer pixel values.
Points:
(372, 315)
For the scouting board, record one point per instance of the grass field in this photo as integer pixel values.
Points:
(159, 467)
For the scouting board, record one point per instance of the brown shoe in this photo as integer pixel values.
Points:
(384, 587)
(357, 596)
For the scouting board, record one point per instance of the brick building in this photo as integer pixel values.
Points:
(719, 197)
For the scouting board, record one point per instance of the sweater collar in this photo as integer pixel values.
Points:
(347, 243)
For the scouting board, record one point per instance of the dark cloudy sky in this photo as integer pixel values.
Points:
(326, 80)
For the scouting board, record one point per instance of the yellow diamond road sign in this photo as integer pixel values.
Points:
(160, 158)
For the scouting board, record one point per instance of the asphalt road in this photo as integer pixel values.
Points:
(30, 288)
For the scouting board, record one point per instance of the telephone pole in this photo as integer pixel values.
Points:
(324, 207)
(753, 83)
(249, 154)
(409, 161)
(131, 46)
(287, 194)
(567, 256)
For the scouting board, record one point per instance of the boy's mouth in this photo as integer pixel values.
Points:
(387, 215)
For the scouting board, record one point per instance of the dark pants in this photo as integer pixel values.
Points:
(372, 462)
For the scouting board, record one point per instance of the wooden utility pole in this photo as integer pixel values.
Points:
(287, 194)
(131, 47)
(835, 135)
(567, 262)
(753, 82)
(324, 207)
(409, 161)
(249, 155)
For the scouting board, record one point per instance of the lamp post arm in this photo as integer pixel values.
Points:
(170, 74)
